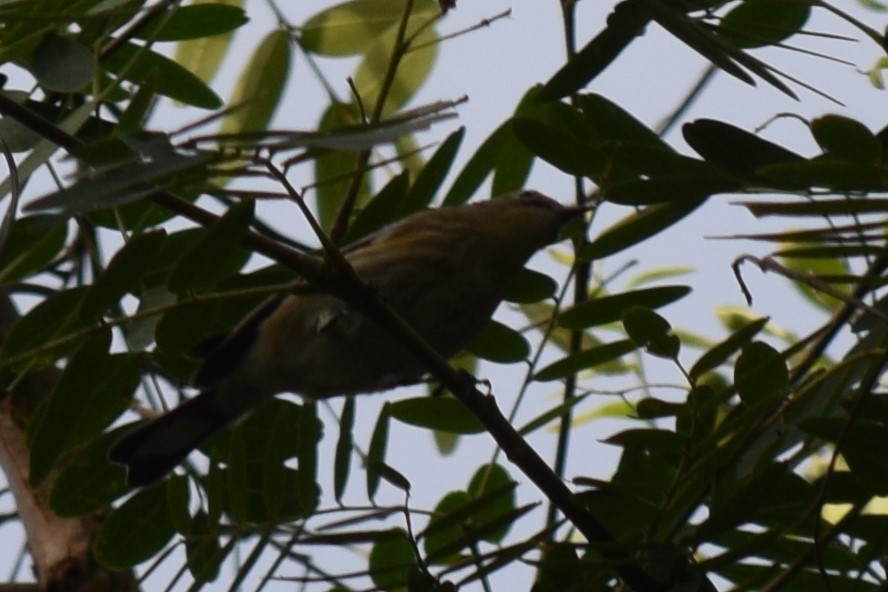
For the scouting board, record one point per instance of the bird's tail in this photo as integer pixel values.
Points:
(154, 449)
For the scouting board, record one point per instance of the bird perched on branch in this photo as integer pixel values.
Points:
(443, 271)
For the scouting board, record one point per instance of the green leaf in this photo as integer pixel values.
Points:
(757, 23)
(62, 64)
(194, 21)
(344, 444)
(638, 226)
(499, 343)
(760, 373)
(838, 175)
(584, 360)
(391, 559)
(719, 353)
(412, 72)
(501, 154)
(351, 27)
(492, 482)
(158, 165)
(821, 261)
(217, 255)
(652, 332)
(862, 447)
(441, 413)
(260, 86)
(334, 169)
(138, 529)
(530, 286)
(94, 390)
(431, 177)
(672, 188)
(88, 483)
(48, 331)
(847, 139)
(376, 450)
(625, 23)
(734, 149)
(612, 122)
(204, 56)
(32, 243)
(514, 161)
(124, 273)
(261, 487)
(652, 440)
(135, 63)
(607, 309)
(136, 113)
(204, 554)
(566, 152)
(384, 208)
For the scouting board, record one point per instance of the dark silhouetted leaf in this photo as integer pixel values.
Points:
(607, 309)
(441, 413)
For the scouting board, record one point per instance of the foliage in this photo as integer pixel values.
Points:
(729, 478)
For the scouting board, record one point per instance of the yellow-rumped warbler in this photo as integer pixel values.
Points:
(442, 270)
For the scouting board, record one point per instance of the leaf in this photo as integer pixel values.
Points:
(47, 332)
(135, 63)
(431, 177)
(158, 165)
(734, 149)
(413, 70)
(671, 188)
(441, 413)
(760, 373)
(656, 441)
(500, 154)
(94, 389)
(194, 21)
(382, 209)
(529, 286)
(492, 481)
(614, 123)
(757, 23)
(123, 273)
(862, 447)
(847, 139)
(584, 360)
(87, 482)
(62, 64)
(32, 243)
(719, 353)
(607, 309)
(376, 450)
(204, 554)
(138, 529)
(204, 56)
(391, 558)
(217, 255)
(652, 332)
(636, 227)
(499, 343)
(624, 24)
(351, 27)
(344, 444)
(566, 152)
(821, 261)
(334, 168)
(260, 86)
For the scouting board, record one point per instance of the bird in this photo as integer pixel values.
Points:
(443, 270)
